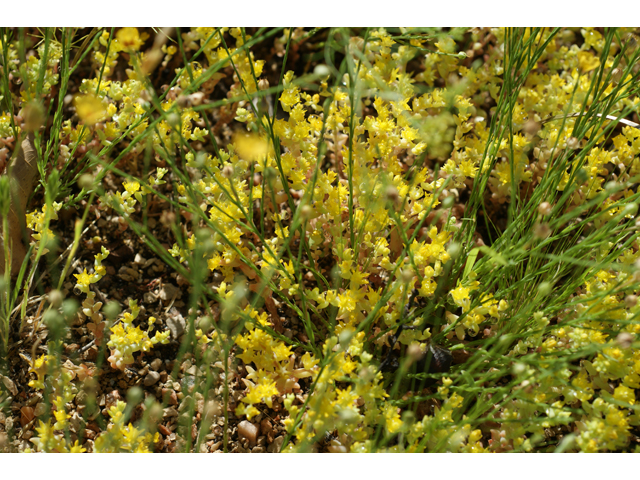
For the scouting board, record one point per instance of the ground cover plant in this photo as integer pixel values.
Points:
(332, 240)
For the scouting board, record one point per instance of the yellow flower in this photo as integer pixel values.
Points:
(290, 96)
(61, 419)
(129, 39)
(131, 187)
(461, 297)
(251, 147)
(77, 448)
(392, 418)
(40, 369)
(90, 108)
(624, 394)
(84, 279)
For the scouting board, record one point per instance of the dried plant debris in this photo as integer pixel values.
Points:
(21, 178)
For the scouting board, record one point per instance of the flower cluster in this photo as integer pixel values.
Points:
(275, 372)
(120, 437)
(85, 280)
(39, 222)
(126, 339)
(403, 194)
(56, 379)
(50, 442)
(353, 410)
(134, 192)
(91, 308)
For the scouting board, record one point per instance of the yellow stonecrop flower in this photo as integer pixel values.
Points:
(129, 39)
(380, 177)
(134, 192)
(120, 437)
(47, 440)
(55, 379)
(5, 125)
(39, 222)
(85, 279)
(274, 372)
(90, 108)
(39, 367)
(125, 339)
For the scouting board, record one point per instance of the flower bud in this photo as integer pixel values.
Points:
(541, 230)
(227, 171)
(196, 98)
(454, 250)
(407, 275)
(306, 211)
(448, 201)
(183, 101)
(625, 339)
(135, 395)
(531, 127)
(611, 186)
(55, 298)
(545, 288)
(392, 193)
(173, 119)
(631, 301)
(86, 181)
(321, 70)
(573, 143)
(415, 352)
(630, 209)
(544, 208)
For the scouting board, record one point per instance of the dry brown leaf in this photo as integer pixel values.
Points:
(22, 172)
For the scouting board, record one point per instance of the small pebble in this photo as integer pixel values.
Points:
(249, 431)
(169, 396)
(41, 408)
(10, 385)
(265, 426)
(175, 323)
(156, 364)
(151, 378)
(170, 412)
(168, 292)
(274, 447)
(149, 297)
(81, 398)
